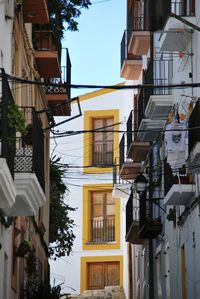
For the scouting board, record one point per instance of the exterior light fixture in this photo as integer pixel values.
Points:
(140, 183)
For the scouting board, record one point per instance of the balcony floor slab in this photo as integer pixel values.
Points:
(180, 194)
(29, 195)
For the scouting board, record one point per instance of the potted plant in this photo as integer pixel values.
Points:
(28, 135)
(16, 118)
(24, 248)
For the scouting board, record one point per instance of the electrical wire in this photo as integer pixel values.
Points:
(113, 87)
(96, 130)
(72, 133)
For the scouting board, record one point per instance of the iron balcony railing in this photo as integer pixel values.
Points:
(103, 230)
(141, 107)
(122, 151)
(181, 8)
(130, 128)
(159, 74)
(136, 24)
(102, 154)
(44, 40)
(64, 81)
(7, 133)
(124, 50)
(132, 212)
(130, 18)
(29, 155)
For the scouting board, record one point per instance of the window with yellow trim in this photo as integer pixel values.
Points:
(102, 217)
(102, 274)
(102, 141)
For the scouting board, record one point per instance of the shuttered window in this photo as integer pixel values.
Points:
(102, 217)
(103, 274)
(102, 145)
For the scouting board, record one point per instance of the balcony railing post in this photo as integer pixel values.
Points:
(130, 129)
(181, 8)
(38, 149)
(143, 210)
(68, 74)
(121, 151)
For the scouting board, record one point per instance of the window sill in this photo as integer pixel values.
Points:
(100, 242)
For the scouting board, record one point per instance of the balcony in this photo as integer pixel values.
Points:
(131, 65)
(7, 148)
(29, 195)
(154, 102)
(159, 106)
(58, 95)
(46, 54)
(139, 38)
(121, 189)
(29, 168)
(149, 129)
(136, 150)
(158, 100)
(150, 229)
(180, 194)
(128, 169)
(102, 231)
(35, 11)
(7, 188)
(176, 34)
(132, 221)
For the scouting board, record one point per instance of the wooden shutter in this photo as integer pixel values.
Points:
(103, 274)
(95, 276)
(112, 277)
(103, 141)
(102, 217)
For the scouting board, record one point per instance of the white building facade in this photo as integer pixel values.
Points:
(99, 252)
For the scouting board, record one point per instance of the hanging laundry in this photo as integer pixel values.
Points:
(176, 160)
(175, 137)
(175, 145)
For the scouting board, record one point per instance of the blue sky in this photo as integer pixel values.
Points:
(95, 49)
(95, 56)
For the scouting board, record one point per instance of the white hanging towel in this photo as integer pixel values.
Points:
(175, 137)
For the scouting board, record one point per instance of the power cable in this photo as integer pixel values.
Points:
(113, 87)
(72, 133)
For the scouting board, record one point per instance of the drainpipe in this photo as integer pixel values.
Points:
(151, 261)
(151, 264)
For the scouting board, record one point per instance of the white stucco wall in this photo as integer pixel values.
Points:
(72, 149)
(186, 234)
(6, 26)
